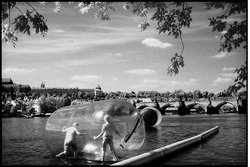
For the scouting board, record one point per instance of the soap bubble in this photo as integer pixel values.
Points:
(125, 117)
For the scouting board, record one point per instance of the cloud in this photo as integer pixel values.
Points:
(220, 55)
(155, 43)
(85, 81)
(147, 84)
(18, 70)
(73, 41)
(154, 81)
(216, 37)
(118, 54)
(82, 85)
(224, 54)
(223, 32)
(228, 74)
(205, 12)
(238, 19)
(143, 86)
(96, 28)
(194, 27)
(170, 83)
(114, 78)
(58, 31)
(229, 69)
(62, 45)
(104, 59)
(141, 71)
(220, 80)
(200, 38)
(184, 83)
(86, 78)
(192, 80)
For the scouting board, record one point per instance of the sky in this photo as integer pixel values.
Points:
(82, 51)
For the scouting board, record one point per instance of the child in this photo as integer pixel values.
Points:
(70, 139)
(107, 134)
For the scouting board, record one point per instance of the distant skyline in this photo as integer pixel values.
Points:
(83, 51)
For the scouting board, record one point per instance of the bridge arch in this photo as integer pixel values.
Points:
(142, 107)
(224, 103)
(165, 106)
(192, 106)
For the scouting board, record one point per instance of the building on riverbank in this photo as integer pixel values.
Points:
(74, 93)
(10, 88)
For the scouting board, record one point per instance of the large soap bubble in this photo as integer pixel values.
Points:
(124, 115)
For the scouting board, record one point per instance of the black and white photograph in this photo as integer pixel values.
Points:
(154, 83)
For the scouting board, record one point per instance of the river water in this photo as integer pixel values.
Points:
(23, 140)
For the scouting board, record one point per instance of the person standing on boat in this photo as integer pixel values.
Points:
(107, 134)
(70, 139)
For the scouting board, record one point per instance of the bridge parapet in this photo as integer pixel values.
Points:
(204, 104)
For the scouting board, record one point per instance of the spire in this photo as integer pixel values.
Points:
(43, 85)
(98, 87)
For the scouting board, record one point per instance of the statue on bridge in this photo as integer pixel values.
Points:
(182, 109)
(242, 105)
(211, 109)
(157, 106)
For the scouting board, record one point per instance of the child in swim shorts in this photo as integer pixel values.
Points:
(107, 134)
(70, 139)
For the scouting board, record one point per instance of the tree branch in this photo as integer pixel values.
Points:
(9, 13)
(106, 6)
(169, 5)
(32, 7)
(18, 9)
(182, 44)
(227, 8)
(180, 29)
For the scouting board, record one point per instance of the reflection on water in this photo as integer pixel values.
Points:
(23, 140)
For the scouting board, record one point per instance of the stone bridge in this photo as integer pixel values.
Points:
(191, 104)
